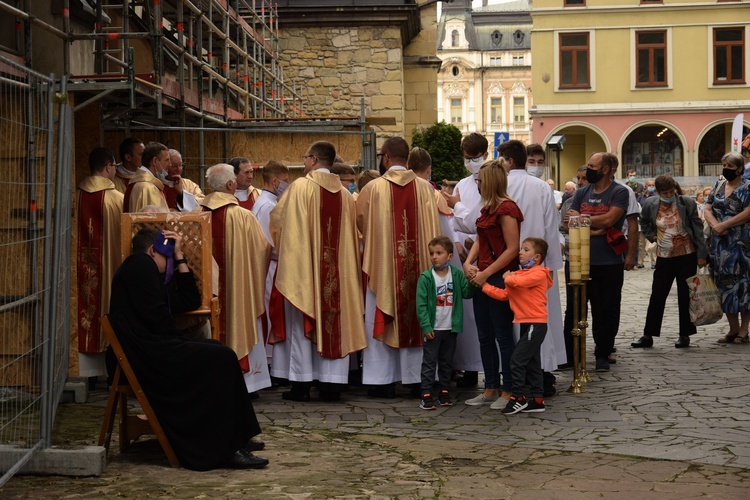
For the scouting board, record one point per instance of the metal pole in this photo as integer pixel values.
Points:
(51, 273)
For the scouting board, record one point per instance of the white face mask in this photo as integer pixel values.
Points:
(162, 175)
(282, 187)
(537, 172)
(474, 165)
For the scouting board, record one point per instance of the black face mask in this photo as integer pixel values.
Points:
(593, 176)
(729, 174)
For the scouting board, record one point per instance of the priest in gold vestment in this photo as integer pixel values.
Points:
(131, 150)
(246, 193)
(319, 322)
(145, 188)
(398, 216)
(242, 252)
(99, 207)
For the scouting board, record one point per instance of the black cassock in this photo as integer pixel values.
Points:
(195, 387)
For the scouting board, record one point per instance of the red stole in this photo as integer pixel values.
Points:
(406, 256)
(330, 229)
(89, 260)
(247, 204)
(276, 312)
(126, 200)
(170, 194)
(218, 232)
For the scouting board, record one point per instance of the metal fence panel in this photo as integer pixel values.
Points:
(35, 232)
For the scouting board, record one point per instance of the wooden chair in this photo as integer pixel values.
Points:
(131, 426)
(195, 229)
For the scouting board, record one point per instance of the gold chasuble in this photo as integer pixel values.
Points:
(319, 272)
(144, 189)
(170, 193)
(122, 180)
(242, 253)
(98, 256)
(398, 217)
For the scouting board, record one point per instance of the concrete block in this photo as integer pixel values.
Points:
(79, 388)
(78, 461)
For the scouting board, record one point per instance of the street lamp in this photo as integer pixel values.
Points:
(556, 143)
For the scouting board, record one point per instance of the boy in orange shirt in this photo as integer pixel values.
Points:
(527, 291)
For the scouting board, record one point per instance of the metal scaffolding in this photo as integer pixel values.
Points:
(207, 61)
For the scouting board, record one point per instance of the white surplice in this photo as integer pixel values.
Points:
(464, 225)
(262, 211)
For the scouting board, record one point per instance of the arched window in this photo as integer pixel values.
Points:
(454, 38)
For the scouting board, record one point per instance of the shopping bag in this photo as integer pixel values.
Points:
(705, 299)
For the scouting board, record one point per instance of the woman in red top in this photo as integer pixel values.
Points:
(495, 252)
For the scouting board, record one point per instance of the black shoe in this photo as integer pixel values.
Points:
(428, 402)
(331, 396)
(254, 445)
(549, 385)
(614, 349)
(387, 391)
(242, 459)
(469, 380)
(643, 342)
(612, 360)
(602, 364)
(444, 398)
(302, 397)
(683, 342)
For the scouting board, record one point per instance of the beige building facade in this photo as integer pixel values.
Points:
(484, 83)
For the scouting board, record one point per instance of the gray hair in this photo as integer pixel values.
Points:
(734, 159)
(174, 152)
(218, 176)
(153, 209)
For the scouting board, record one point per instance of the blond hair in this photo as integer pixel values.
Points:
(494, 179)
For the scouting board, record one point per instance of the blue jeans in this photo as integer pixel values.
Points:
(495, 329)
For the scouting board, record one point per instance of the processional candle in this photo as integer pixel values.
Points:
(585, 246)
(574, 231)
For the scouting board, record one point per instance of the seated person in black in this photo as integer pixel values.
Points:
(195, 387)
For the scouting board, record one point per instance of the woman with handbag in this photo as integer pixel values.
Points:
(495, 251)
(671, 221)
(728, 214)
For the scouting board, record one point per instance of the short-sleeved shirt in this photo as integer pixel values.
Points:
(443, 300)
(585, 201)
(490, 235)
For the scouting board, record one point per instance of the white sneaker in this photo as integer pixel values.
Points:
(480, 400)
(499, 404)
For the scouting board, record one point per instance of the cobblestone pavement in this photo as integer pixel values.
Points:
(663, 423)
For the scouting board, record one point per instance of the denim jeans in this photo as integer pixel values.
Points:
(495, 329)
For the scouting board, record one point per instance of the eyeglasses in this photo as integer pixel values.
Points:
(304, 157)
(380, 155)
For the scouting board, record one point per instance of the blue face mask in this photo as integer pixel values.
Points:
(352, 188)
(440, 268)
(529, 263)
(651, 189)
(668, 200)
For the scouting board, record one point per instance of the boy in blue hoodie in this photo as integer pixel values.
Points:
(440, 294)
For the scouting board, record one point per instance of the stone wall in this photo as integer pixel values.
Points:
(334, 68)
